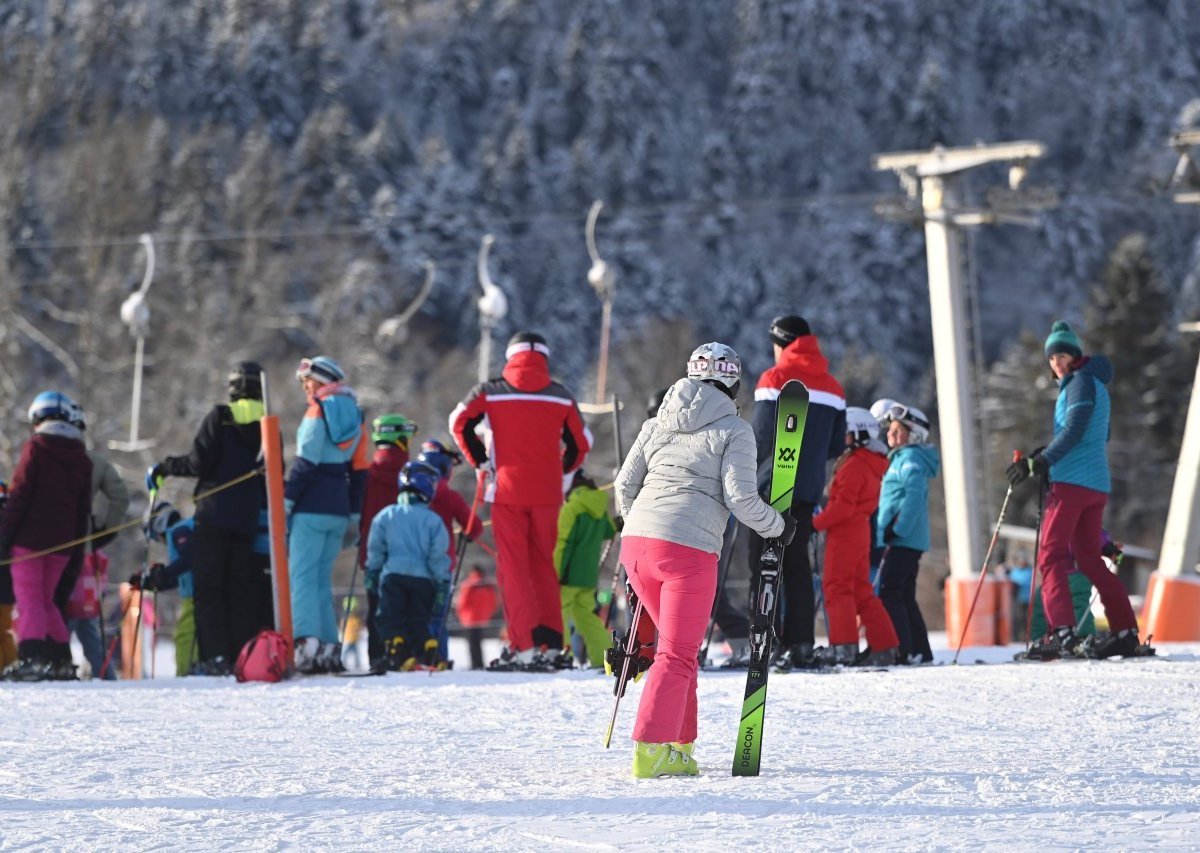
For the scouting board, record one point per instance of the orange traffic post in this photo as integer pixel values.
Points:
(982, 629)
(272, 445)
(1172, 610)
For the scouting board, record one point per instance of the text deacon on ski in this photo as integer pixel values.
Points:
(535, 436)
(690, 466)
(798, 356)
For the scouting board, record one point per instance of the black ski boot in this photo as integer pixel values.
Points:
(28, 669)
(841, 654)
(799, 656)
(1058, 643)
(1116, 644)
(883, 657)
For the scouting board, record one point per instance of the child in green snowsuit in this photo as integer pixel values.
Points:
(583, 527)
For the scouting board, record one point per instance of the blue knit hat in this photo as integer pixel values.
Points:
(1063, 339)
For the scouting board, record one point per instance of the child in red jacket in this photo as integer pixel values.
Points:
(49, 504)
(853, 497)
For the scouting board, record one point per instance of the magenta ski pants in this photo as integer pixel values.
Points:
(34, 580)
(676, 585)
(1071, 536)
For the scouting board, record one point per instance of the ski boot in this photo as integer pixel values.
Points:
(329, 658)
(556, 659)
(307, 657)
(840, 654)
(1116, 644)
(28, 669)
(511, 660)
(1059, 643)
(397, 657)
(662, 759)
(799, 656)
(883, 657)
(432, 659)
(739, 655)
(218, 666)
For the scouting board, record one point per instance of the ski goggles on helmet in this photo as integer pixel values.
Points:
(305, 369)
(902, 413)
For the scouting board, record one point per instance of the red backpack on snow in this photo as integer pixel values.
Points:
(263, 658)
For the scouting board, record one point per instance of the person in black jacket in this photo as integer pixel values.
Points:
(229, 597)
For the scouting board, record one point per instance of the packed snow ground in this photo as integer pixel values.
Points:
(1063, 755)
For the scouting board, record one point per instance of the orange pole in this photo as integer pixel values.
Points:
(272, 445)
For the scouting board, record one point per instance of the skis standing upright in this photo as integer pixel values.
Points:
(791, 410)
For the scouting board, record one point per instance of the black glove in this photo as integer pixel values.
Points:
(789, 529)
(619, 523)
(151, 581)
(1030, 466)
(889, 532)
(1113, 551)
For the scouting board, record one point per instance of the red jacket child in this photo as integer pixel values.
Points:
(846, 520)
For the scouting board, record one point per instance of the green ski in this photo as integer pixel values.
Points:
(791, 410)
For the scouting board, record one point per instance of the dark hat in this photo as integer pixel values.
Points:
(787, 328)
(245, 381)
(526, 342)
(1063, 339)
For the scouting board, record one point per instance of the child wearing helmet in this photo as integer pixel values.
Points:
(391, 434)
(407, 557)
(689, 467)
(165, 524)
(452, 510)
(902, 525)
(853, 497)
(49, 504)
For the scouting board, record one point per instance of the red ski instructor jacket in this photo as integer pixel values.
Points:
(535, 432)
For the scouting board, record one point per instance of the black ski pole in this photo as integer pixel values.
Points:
(460, 555)
(726, 561)
(631, 645)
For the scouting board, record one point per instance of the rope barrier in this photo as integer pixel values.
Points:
(83, 540)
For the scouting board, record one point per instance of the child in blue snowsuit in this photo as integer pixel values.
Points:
(407, 559)
(323, 499)
(168, 526)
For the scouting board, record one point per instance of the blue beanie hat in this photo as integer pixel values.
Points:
(1063, 339)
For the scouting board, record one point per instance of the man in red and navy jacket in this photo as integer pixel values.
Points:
(534, 436)
(798, 356)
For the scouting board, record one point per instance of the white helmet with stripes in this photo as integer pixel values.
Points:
(715, 362)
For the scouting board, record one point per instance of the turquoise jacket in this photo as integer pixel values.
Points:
(408, 538)
(330, 471)
(1077, 454)
(904, 496)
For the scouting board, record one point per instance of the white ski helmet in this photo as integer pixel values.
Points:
(881, 407)
(716, 362)
(914, 420)
(861, 425)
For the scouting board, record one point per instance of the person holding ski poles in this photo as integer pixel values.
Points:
(1076, 463)
(689, 467)
(798, 356)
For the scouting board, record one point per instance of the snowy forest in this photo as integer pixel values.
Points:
(299, 161)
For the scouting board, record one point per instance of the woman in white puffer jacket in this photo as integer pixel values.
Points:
(689, 468)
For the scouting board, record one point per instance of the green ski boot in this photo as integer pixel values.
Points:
(661, 759)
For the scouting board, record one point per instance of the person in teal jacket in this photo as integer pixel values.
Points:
(1076, 464)
(408, 558)
(323, 499)
(583, 527)
(902, 526)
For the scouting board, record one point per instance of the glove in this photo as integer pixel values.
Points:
(351, 536)
(789, 529)
(151, 581)
(889, 532)
(1030, 466)
(1113, 551)
(619, 523)
(154, 477)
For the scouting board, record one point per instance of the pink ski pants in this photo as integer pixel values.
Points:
(34, 581)
(676, 585)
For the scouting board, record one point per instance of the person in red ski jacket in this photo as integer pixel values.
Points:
(391, 434)
(846, 521)
(798, 356)
(475, 606)
(535, 437)
(49, 505)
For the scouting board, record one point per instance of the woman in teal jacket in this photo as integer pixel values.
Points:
(1076, 463)
(902, 526)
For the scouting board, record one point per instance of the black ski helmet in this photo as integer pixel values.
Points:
(526, 342)
(245, 381)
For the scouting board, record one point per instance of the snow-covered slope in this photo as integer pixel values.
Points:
(1070, 755)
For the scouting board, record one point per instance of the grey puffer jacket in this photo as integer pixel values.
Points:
(688, 468)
